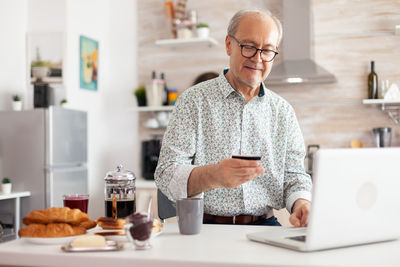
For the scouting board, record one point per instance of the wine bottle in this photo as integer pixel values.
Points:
(165, 93)
(372, 83)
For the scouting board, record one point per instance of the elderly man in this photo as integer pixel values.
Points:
(235, 114)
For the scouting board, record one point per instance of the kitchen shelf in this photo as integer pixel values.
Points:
(186, 42)
(152, 109)
(390, 107)
(17, 206)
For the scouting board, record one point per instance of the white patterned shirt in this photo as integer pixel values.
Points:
(212, 122)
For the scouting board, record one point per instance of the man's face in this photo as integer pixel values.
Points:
(260, 31)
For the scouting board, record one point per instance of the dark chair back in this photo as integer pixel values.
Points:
(166, 208)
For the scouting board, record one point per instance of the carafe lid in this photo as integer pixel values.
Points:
(120, 174)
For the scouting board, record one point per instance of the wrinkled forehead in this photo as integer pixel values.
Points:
(259, 28)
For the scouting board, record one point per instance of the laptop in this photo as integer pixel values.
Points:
(355, 201)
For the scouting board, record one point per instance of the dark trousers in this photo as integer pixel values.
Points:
(271, 221)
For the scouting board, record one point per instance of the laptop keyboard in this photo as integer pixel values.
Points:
(301, 238)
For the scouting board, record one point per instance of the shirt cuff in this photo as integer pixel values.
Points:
(178, 185)
(295, 196)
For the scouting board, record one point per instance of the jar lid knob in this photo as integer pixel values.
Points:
(119, 168)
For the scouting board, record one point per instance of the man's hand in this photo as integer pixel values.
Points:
(229, 173)
(301, 209)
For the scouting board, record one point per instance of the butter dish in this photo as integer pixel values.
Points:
(111, 245)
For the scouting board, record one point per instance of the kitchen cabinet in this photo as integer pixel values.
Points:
(390, 107)
(16, 197)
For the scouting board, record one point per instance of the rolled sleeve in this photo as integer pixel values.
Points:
(295, 196)
(177, 187)
(178, 150)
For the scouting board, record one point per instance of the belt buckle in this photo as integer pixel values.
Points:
(234, 219)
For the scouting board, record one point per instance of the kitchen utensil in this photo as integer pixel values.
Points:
(149, 214)
(383, 136)
(311, 149)
(190, 215)
(155, 93)
(111, 246)
(120, 193)
(150, 154)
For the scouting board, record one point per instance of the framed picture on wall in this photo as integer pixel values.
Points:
(89, 63)
(45, 56)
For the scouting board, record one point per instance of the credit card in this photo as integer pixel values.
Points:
(246, 157)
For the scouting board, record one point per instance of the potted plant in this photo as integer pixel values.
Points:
(203, 31)
(6, 185)
(17, 103)
(140, 94)
(40, 68)
(63, 102)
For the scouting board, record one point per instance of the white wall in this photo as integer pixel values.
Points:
(111, 128)
(12, 50)
(46, 15)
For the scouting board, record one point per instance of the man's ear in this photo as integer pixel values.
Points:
(228, 45)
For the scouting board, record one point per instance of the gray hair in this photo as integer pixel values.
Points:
(234, 23)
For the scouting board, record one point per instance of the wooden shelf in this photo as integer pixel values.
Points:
(152, 109)
(186, 42)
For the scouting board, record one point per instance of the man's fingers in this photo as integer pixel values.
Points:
(240, 163)
(249, 172)
(304, 216)
(294, 220)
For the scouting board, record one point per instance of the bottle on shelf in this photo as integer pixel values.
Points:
(155, 91)
(165, 92)
(372, 83)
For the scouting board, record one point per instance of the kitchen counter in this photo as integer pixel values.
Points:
(216, 245)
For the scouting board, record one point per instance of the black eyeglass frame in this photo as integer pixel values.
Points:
(256, 50)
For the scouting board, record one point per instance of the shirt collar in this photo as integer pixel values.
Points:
(227, 89)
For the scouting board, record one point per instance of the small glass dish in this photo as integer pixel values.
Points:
(111, 246)
(138, 230)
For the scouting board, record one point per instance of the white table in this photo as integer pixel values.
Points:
(216, 245)
(17, 205)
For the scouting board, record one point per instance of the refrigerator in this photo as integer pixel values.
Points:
(44, 151)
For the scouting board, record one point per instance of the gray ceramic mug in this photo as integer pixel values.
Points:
(190, 215)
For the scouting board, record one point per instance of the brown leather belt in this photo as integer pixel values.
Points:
(239, 219)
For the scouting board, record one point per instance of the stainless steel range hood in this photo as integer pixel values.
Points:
(298, 65)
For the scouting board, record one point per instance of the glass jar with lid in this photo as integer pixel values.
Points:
(119, 193)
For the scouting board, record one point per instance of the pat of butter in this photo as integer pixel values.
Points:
(89, 241)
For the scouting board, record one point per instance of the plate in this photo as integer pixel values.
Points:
(50, 240)
(153, 235)
(119, 238)
(111, 246)
(108, 234)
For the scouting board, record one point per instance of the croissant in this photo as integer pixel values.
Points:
(56, 215)
(111, 223)
(89, 224)
(51, 230)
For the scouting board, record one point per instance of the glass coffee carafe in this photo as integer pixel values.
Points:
(119, 193)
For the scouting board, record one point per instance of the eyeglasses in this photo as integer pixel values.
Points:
(249, 51)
